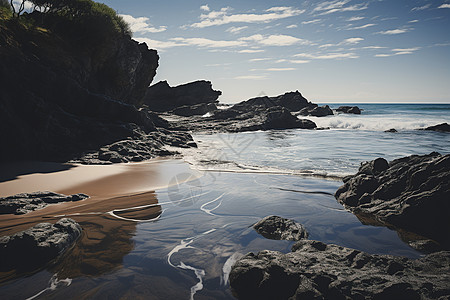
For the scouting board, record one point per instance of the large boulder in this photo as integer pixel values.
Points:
(27, 202)
(277, 228)
(410, 193)
(314, 270)
(162, 98)
(35, 247)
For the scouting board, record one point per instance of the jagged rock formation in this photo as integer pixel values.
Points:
(349, 110)
(410, 193)
(261, 113)
(35, 247)
(316, 111)
(163, 98)
(27, 202)
(277, 228)
(314, 270)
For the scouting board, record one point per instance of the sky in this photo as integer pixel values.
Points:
(331, 51)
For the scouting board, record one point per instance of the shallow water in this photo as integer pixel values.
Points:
(204, 226)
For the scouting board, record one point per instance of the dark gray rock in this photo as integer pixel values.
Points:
(35, 247)
(444, 127)
(349, 110)
(277, 228)
(411, 194)
(392, 130)
(27, 202)
(161, 97)
(318, 111)
(314, 270)
(198, 109)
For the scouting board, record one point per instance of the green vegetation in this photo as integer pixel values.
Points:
(92, 19)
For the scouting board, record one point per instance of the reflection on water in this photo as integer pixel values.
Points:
(188, 249)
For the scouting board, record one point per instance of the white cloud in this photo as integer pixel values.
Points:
(259, 59)
(252, 77)
(394, 31)
(327, 56)
(398, 51)
(373, 47)
(236, 29)
(406, 49)
(312, 21)
(329, 7)
(298, 61)
(275, 40)
(280, 69)
(251, 51)
(362, 26)
(141, 24)
(352, 19)
(421, 7)
(349, 41)
(159, 45)
(207, 43)
(445, 5)
(292, 26)
(413, 21)
(281, 60)
(222, 17)
(205, 7)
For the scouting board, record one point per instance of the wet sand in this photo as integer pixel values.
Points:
(120, 196)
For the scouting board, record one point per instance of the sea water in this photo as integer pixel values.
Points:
(206, 223)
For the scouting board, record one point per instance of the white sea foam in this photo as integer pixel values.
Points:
(52, 285)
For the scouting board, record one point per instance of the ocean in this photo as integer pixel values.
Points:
(234, 180)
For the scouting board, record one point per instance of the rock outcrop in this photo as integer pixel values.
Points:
(277, 228)
(35, 247)
(444, 127)
(163, 98)
(314, 270)
(349, 110)
(27, 202)
(410, 193)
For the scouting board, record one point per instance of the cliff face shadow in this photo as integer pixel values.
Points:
(12, 170)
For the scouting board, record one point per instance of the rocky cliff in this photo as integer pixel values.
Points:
(62, 96)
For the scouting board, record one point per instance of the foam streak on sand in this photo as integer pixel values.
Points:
(209, 211)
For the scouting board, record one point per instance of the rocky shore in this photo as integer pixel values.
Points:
(410, 195)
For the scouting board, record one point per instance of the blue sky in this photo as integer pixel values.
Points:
(331, 51)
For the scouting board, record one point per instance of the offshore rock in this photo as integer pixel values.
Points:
(410, 193)
(349, 110)
(27, 202)
(277, 228)
(317, 111)
(163, 98)
(314, 270)
(35, 247)
(444, 127)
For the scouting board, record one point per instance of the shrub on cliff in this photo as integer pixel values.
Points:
(5, 10)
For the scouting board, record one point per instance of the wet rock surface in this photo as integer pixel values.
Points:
(277, 228)
(314, 270)
(27, 202)
(35, 247)
(410, 193)
(317, 111)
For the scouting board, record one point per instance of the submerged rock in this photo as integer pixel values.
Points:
(392, 130)
(35, 247)
(314, 270)
(277, 228)
(349, 110)
(27, 202)
(444, 127)
(410, 193)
